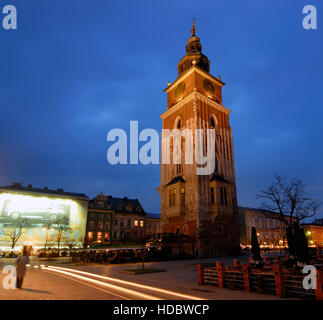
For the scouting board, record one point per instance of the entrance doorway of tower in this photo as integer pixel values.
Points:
(173, 246)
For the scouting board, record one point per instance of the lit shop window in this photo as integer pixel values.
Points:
(136, 223)
(106, 236)
(90, 236)
(141, 223)
(99, 236)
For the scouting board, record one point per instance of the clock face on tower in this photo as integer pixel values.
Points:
(180, 90)
(208, 86)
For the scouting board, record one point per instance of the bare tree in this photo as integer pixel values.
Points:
(47, 226)
(289, 200)
(71, 243)
(291, 204)
(15, 233)
(61, 226)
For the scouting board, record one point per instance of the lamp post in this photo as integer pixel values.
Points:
(143, 257)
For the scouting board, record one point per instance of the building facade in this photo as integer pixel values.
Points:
(270, 231)
(152, 224)
(314, 234)
(203, 207)
(115, 221)
(99, 221)
(35, 215)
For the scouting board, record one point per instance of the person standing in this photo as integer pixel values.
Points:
(21, 262)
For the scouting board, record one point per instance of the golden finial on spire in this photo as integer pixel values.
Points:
(193, 29)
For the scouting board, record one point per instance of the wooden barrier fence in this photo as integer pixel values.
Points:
(275, 281)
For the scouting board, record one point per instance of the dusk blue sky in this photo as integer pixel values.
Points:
(76, 69)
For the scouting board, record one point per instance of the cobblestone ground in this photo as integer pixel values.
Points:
(180, 277)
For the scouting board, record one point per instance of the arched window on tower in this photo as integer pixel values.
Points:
(179, 123)
(213, 121)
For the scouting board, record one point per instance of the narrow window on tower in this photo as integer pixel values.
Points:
(173, 197)
(225, 196)
(222, 196)
(178, 169)
(216, 167)
(212, 124)
(212, 195)
(182, 196)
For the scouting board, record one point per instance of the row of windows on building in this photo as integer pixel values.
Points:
(119, 207)
(172, 197)
(136, 223)
(225, 143)
(105, 236)
(277, 235)
(265, 223)
(223, 196)
(106, 225)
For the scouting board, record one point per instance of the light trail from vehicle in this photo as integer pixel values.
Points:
(142, 286)
(90, 285)
(101, 283)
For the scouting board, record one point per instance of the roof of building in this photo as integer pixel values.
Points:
(312, 224)
(16, 186)
(116, 204)
(216, 177)
(261, 210)
(175, 180)
(318, 222)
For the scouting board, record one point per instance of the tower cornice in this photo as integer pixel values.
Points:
(189, 72)
(198, 96)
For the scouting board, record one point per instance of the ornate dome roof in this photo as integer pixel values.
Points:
(194, 54)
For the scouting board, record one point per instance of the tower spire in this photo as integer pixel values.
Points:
(193, 53)
(193, 29)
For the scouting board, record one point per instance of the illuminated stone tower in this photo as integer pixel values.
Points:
(203, 207)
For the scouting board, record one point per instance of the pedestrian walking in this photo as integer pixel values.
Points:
(21, 262)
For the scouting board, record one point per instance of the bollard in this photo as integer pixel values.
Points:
(319, 285)
(246, 277)
(279, 281)
(236, 264)
(221, 274)
(200, 274)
